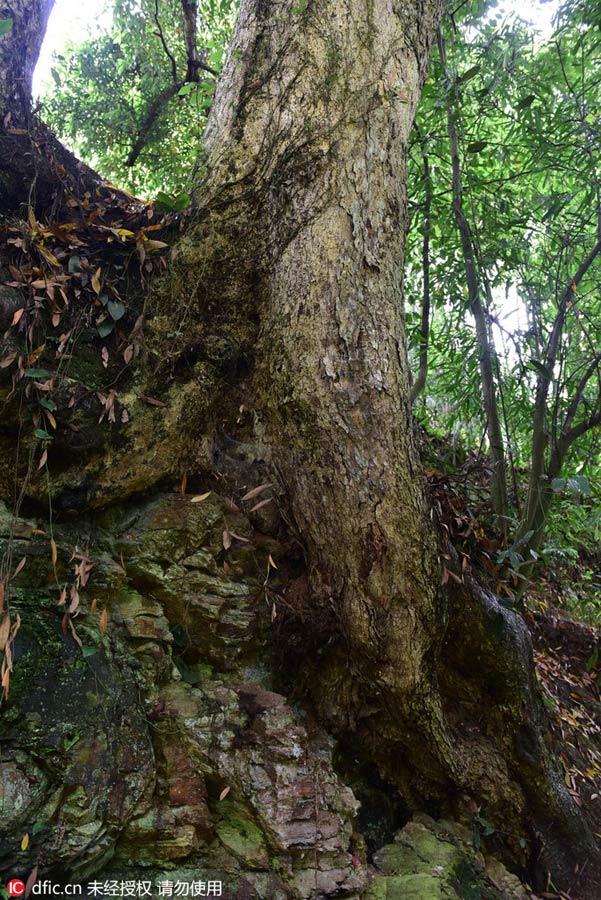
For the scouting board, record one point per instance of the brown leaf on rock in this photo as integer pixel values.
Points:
(260, 504)
(33, 877)
(257, 490)
(19, 567)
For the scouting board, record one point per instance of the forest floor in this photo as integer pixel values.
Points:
(567, 650)
(566, 661)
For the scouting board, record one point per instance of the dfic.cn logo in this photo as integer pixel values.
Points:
(15, 887)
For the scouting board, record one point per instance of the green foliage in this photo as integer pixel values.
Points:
(104, 90)
(529, 118)
(5, 26)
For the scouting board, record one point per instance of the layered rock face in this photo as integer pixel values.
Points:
(156, 739)
(149, 742)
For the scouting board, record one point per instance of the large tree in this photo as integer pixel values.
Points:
(293, 267)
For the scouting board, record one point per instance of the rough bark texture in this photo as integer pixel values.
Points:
(306, 156)
(20, 49)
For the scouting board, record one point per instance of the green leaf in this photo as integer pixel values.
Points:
(164, 203)
(186, 88)
(477, 146)
(579, 484)
(116, 310)
(467, 76)
(537, 366)
(37, 373)
(88, 651)
(476, 843)
(105, 328)
(525, 102)
(190, 676)
(5, 26)
(182, 201)
(48, 404)
(74, 264)
(216, 58)
(553, 210)
(42, 435)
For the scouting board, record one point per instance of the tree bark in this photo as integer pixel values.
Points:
(20, 49)
(306, 159)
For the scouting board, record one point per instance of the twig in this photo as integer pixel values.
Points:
(161, 36)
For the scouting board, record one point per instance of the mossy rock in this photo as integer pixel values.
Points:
(436, 861)
(77, 754)
(241, 835)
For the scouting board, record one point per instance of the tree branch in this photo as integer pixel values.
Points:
(189, 11)
(567, 430)
(195, 62)
(161, 37)
(153, 113)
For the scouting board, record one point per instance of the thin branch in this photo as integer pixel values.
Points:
(571, 411)
(195, 61)
(581, 107)
(553, 343)
(189, 11)
(153, 113)
(582, 427)
(161, 36)
(489, 394)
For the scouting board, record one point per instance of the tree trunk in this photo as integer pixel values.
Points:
(306, 160)
(36, 169)
(298, 253)
(20, 49)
